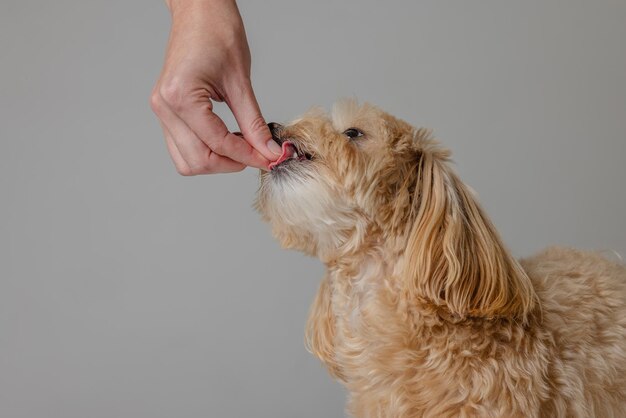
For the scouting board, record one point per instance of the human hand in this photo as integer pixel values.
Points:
(208, 59)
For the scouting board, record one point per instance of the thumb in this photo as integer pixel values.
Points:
(255, 131)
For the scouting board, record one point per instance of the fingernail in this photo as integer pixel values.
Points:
(274, 147)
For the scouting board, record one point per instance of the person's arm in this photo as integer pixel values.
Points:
(208, 59)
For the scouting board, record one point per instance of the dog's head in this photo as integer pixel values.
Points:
(360, 177)
(336, 174)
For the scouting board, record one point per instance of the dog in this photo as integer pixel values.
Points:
(423, 312)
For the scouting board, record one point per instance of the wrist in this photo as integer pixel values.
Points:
(176, 5)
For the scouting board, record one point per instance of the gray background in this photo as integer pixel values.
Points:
(129, 291)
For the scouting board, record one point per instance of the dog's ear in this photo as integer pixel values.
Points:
(455, 257)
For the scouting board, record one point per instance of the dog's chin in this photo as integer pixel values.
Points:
(298, 199)
(291, 180)
(290, 192)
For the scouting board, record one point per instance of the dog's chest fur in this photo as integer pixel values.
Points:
(386, 347)
(355, 296)
(356, 302)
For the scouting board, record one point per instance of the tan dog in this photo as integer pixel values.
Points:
(423, 312)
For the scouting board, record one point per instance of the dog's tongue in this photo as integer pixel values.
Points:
(289, 151)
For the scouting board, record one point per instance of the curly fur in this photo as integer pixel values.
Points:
(423, 312)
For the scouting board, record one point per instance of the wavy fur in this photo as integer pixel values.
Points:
(423, 312)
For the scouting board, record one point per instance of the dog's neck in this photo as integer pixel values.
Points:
(366, 243)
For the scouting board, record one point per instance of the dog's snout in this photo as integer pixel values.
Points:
(275, 129)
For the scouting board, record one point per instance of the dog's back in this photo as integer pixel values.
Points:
(583, 303)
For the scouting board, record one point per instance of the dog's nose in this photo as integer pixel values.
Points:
(275, 129)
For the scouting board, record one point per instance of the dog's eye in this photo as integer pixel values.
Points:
(352, 133)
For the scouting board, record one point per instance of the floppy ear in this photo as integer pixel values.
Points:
(455, 257)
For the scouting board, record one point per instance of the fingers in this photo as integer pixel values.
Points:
(191, 156)
(207, 47)
(244, 106)
(179, 162)
(212, 131)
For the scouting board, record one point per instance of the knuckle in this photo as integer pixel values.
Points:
(258, 125)
(209, 168)
(172, 94)
(155, 101)
(218, 144)
(203, 167)
(184, 171)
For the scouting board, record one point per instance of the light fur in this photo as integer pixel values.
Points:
(423, 312)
